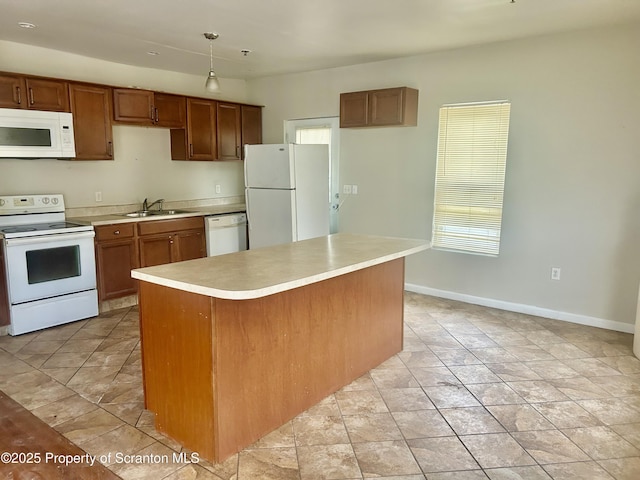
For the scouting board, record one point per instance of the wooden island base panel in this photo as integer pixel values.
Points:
(220, 373)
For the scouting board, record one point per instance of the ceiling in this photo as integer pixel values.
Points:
(287, 36)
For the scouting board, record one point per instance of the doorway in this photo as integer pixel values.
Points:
(324, 131)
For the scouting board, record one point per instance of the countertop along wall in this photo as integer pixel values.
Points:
(142, 165)
(572, 196)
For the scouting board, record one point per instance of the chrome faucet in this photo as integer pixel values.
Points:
(146, 206)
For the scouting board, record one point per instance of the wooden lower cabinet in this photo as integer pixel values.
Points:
(168, 241)
(116, 256)
(121, 247)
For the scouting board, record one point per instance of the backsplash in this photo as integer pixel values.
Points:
(120, 209)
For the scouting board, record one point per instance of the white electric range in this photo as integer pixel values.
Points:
(49, 264)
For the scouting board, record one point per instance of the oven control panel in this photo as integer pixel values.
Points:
(25, 204)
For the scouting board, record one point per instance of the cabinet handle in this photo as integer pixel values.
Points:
(117, 232)
(238, 151)
(19, 94)
(110, 148)
(152, 113)
(191, 149)
(156, 113)
(31, 102)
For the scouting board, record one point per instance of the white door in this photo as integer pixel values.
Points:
(271, 217)
(327, 131)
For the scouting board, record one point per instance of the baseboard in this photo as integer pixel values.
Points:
(522, 308)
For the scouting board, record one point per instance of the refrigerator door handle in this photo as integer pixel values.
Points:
(246, 204)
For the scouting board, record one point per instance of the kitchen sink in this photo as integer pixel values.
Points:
(149, 213)
(138, 214)
(169, 212)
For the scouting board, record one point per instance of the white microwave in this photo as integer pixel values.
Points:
(36, 134)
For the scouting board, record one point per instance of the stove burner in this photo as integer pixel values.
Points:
(18, 229)
(63, 225)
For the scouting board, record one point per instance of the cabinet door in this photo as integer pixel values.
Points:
(201, 129)
(228, 130)
(190, 245)
(354, 108)
(115, 260)
(133, 106)
(156, 250)
(45, 94)
(251, 126)
(386, 107)
(91, 108)
(170, 111)
(12, 92)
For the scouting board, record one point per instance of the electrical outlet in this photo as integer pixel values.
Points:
(354, 189)
(346, 189)
(218, 189)
(98, 196)
(555, 273)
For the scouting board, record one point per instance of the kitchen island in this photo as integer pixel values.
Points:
(235, 346)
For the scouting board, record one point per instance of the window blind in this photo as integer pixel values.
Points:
(470, 172)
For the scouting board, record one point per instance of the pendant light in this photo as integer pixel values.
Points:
(212, 84)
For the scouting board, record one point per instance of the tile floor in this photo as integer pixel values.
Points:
(476, 393)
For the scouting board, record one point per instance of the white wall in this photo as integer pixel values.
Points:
(573, 173)
(142, 165)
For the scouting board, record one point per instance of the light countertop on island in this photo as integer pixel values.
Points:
(266, 271)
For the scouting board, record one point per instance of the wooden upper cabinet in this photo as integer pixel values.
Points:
(143, 107)
(251, 125)
(354, 109)
(12, 93)
(91, 109)
(229, 131)
(201, 129)
(17, 91)
(133, 106)
(170, 110)
(377, 108)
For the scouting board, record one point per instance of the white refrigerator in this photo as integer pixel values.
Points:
(287, 193)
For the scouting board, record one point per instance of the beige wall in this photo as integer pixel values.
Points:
(142, 165)
(572, 189)
(573, 174)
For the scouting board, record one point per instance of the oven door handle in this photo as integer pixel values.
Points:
(43, 239)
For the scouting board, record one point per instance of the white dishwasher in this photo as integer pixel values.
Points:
(226, 233)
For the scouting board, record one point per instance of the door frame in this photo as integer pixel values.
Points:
(334, 157)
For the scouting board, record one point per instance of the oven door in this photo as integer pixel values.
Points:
(49, 265)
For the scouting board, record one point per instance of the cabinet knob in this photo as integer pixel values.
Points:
(117, 232)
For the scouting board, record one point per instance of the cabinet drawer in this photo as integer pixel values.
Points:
(115, 231)
(173, 225)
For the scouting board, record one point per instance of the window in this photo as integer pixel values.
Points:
(469, 189)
